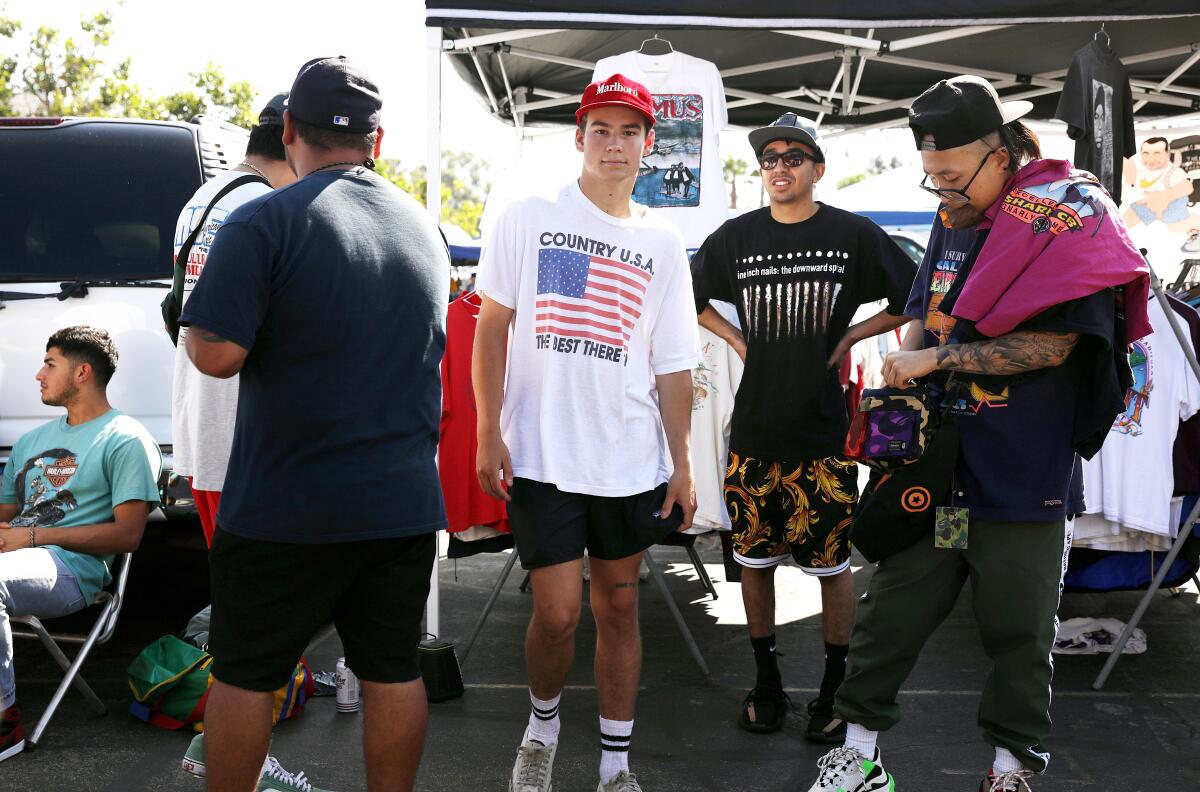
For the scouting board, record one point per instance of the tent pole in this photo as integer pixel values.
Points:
(934, 38)
(500, 38)
(559, 59)
(1170, 78)
(487, 86)
(433, 204)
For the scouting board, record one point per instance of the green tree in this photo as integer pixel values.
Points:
(66, 75)
(8, 64)
(465, 186)
(734, 169)
(851, 179)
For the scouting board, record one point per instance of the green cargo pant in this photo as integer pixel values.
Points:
(1016, 571)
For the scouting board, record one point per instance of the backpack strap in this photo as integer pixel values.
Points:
(173, 304)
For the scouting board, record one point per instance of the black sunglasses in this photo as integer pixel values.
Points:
(952, 195)
(792, 158)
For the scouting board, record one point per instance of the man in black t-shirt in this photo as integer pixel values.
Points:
(796, 271)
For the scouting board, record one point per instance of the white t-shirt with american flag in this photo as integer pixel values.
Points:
(602, 305)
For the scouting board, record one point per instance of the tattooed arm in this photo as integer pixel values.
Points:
(1018, 352)
(212, 354)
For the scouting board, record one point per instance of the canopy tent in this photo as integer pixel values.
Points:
(891, 198)
(852, 65)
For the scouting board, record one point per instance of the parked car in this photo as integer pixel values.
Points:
(86, 238)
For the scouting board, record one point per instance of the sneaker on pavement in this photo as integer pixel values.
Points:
(623, 781)
(1014, 781)
(534, 766)
(764, 710)
(275, 779)
(12, 733)
(847, 770)
(193, 757)
(823, 727)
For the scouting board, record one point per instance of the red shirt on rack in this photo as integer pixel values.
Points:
(466, 502)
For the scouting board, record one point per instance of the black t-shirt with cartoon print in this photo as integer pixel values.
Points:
(796, 287)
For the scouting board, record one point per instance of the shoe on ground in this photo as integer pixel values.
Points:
(534, 766)
(1016, 781)
(275, 779)
(643, 575)
(823, 727)
(12, 733)
(623, 781)
(847, 770)
(764, 710)
(193, 757)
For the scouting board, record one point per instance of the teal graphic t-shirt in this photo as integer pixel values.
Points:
(65, 475)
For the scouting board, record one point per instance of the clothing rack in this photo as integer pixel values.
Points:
(1185, 530)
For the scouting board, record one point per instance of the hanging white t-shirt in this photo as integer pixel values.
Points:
(682, 177)
(204, 408)
(603, 305)
(714, 386)
(1130, 481)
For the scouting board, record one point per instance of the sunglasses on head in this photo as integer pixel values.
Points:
(792, 158)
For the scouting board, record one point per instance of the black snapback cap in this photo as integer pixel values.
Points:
(959, 111)
(335, 94)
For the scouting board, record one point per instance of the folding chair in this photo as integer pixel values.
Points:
(109, 601)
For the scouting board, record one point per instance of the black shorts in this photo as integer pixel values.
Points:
(270, 598)
(553, 527)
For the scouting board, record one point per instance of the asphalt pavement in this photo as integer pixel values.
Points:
(1140, 733)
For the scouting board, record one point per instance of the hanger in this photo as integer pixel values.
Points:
(1102, 31)
(653, 39)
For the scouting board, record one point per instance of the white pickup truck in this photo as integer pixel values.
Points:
(87, 225)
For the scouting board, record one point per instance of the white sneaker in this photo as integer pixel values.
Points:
(535, 763)
(847, 770)
(623, 781)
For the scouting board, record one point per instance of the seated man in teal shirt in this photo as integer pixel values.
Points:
(76, 491)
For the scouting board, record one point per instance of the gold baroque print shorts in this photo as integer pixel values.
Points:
(802, 509)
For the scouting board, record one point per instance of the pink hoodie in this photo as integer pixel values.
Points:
(1056, 236)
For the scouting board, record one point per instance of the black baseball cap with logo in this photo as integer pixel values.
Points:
(272, 112)
(959, 111)
(335, 94)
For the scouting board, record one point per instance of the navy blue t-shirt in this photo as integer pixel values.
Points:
(337, 287)
(1017, 461)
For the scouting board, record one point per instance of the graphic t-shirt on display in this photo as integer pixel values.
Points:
(682, 177)
(1016, 461)
(204, 408)
(796, 287)
(714, 387)
(1130, 482)
(64, 476)
(1097, 105)
(602, 305)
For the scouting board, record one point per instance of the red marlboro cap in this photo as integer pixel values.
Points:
(617, 90)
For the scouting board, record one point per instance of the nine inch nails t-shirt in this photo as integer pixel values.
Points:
(796, 287)
(602, 305)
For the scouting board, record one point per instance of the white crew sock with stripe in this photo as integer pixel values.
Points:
(614, 748)
(1005, 762)
(543, 719)
(862, 739)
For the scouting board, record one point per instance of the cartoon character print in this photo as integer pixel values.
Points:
(47, 500)
(1137, 398)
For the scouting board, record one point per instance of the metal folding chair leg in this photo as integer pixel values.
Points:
(657, 575)
(487, 608)
(705, 580)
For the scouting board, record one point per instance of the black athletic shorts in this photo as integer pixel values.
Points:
(553, 527)
(270, 598)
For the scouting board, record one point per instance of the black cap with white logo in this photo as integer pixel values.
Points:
(335, 94)
(959, 111)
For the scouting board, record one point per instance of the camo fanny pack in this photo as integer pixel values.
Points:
(892, 427)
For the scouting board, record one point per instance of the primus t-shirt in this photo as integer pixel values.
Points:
(796, 287)
(602, 305)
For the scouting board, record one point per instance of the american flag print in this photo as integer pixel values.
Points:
(584, 296)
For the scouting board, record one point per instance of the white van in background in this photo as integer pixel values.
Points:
(87, 224)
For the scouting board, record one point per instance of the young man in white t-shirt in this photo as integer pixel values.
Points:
(587, 309)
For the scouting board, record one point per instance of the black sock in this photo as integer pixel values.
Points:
(768, 664)
(835, 670)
